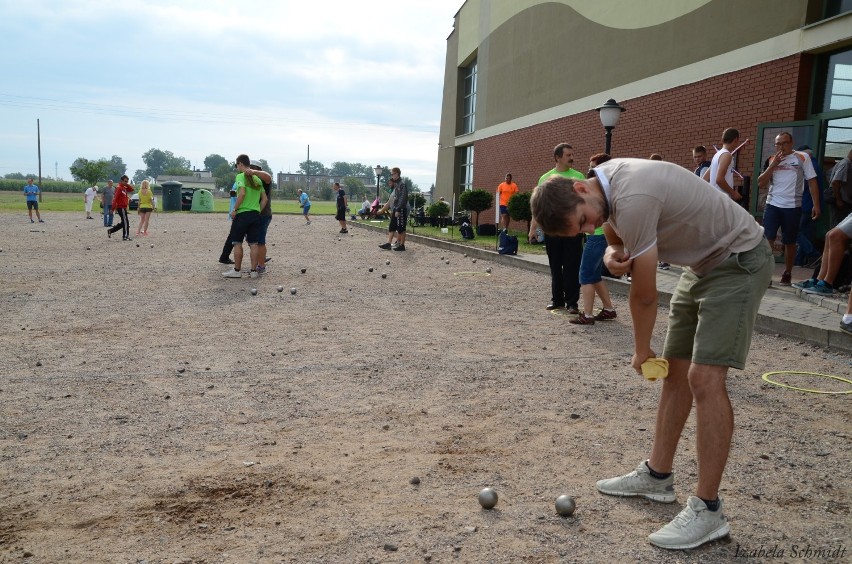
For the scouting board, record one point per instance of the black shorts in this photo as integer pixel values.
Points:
(32, 205)
(341, 215)
(246, 225)
(399, 221)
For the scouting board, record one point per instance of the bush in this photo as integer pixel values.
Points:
(476, 201)
(519, 207)
(45, 186)
(438, 209)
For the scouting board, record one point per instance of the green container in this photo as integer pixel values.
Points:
(202, 201)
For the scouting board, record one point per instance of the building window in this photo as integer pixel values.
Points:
(837, 7)
(466, 168)
(469, 101)
(834, 82)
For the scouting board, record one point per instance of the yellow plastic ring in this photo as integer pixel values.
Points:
(472, 273)
(766, 378)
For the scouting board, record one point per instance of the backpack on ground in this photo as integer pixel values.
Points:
(466, 231)
(507, 244)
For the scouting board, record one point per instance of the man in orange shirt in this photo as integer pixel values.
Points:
(505, 191)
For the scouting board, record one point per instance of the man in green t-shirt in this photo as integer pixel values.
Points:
(563, 253)
(251, 198)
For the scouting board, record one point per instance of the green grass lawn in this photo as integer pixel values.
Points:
(63, 201)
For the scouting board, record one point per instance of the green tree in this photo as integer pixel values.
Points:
(84, 170)
(519, 207)
(311, 168)
(354, 187)
(476, 201)
(340, 169)
(224, 176)
(158, 161)
(213, 161)
(15, 176)
(176, 170)
(325, 191)
(139, 176)
(117, 168)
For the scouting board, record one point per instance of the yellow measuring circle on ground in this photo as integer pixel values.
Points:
(472, 273)
(766, 378)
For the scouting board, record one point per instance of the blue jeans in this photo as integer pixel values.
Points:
(107, 218)
(805, 247)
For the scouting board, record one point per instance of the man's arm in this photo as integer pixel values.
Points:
(241, 195)
(643, 305)
(263, 198)
(766, 176)
(814, 188)
(835, 187)
(615, 259)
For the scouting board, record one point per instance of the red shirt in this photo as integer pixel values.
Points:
(121, 198)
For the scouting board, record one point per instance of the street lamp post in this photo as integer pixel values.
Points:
(609, 114)
(378, 170)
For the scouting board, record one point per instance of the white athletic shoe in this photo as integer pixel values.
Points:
(232, 274)
(640, 483)
(692, 527)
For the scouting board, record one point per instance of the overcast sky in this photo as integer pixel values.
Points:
(357, 81)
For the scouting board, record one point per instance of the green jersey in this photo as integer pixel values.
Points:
(253, 187)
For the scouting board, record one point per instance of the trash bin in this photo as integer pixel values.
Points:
(171, 195)
(202, 201)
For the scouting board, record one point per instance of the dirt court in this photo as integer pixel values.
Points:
(152, 411)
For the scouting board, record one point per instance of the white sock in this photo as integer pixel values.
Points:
(847, 318)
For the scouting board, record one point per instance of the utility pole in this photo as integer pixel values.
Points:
(38, 134)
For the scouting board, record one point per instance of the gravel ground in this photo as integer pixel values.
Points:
(151, 410)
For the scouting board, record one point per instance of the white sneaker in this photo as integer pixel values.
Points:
(692, 527)
(640, 483)
(254, 274)
(232, 274)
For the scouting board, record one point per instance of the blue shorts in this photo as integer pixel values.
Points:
(591, 264)
(785, 218)
(306, 209)
(265, 220)
(504, 210)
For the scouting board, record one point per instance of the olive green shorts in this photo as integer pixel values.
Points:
(711, 318)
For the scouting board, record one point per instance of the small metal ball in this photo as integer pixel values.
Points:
(254, 291)
(293, 291)
(384, 275)
(488, 270)
(387, 262)
(487, 498)
(370, 269)
(304, 270)
(280, 288)
(565, 505)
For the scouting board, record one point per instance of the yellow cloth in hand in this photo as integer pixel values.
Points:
(655, 368)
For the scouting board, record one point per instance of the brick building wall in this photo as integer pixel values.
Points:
(670, 123)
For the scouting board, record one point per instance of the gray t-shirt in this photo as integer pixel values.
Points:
(691, 223)
(842, 171)
(108, 193)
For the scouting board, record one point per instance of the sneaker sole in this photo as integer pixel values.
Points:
(719, 533)
(662, 498)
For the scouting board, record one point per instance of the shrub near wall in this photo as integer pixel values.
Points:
(8, 185)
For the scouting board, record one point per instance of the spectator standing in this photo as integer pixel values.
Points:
(255, 170)
(120, 203)
(805, 250)
(505, 191)
(107, 195)
(722, 165)
(251, 198)
(89, 199)
(147, 204)
(660, 210)
(341, 207)
(31, 191)
(563, 253)
(591, 266)
(699, 157)
(784, 177)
